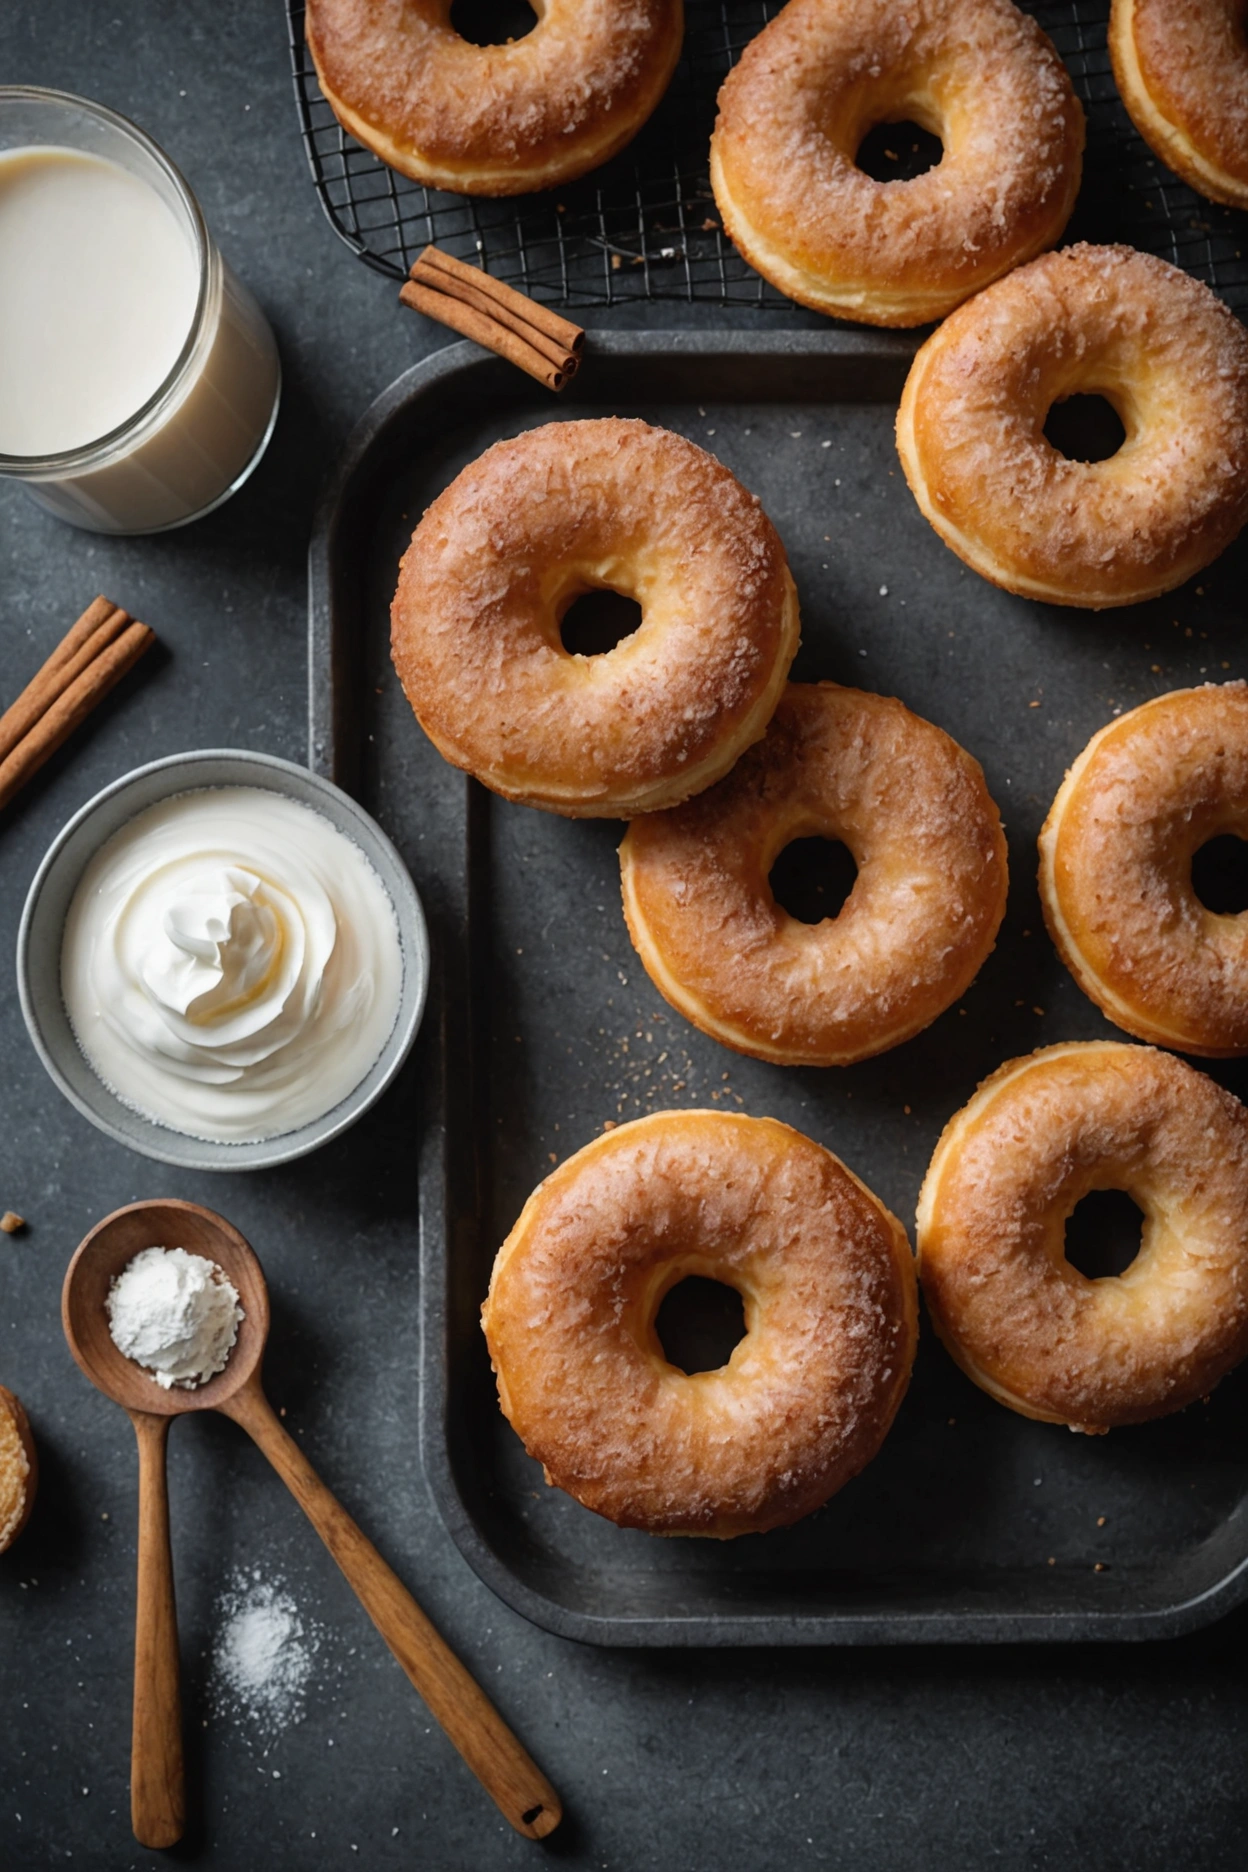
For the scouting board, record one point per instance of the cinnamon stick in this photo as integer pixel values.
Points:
(487, 331)
(99, 624)
(559, 355)
(562, 330)
(72, 706)
(505, 321)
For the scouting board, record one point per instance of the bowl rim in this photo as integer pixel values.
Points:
(178, 1148)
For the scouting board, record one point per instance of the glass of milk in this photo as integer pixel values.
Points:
(139, 381)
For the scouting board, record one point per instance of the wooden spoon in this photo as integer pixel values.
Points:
(494, 1754)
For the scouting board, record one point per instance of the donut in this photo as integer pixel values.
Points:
(794, 110)
(1107, 321)
(494, 119)
(1010, 1167)
(1116, 870)
(1182, 69)
(805, 1400)
(19, 1468)
(914, 810)
(531, 525)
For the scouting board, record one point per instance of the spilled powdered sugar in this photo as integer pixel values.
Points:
(263, 1654)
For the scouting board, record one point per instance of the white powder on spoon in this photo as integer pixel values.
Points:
(175, 1314)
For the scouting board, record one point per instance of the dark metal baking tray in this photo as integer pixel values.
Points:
(972, 1523)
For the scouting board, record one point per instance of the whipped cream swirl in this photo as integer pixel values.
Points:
(231, 964)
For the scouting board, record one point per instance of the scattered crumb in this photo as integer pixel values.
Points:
(1038, 1010)
(11, 1222)
(1100, 1520)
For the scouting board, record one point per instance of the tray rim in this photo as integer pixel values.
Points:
(441, 370)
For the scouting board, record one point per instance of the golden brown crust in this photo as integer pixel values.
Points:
(499, 119)
(808, 1395)
(1182, 69)
(19, 1468)
(912, 807)
(1162, 349)
(1116, 870)
(794, 110)
(501, 554)
(1008, 1171)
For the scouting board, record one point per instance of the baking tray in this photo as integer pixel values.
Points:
(972, 1523)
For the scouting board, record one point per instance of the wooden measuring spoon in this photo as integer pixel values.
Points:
(494, 1754)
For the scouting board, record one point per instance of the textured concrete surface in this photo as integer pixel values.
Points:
(1130, 1758)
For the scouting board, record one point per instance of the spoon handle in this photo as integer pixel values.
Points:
(157, 1795)
(495, 1755)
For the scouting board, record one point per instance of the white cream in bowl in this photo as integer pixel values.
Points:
(231, 964)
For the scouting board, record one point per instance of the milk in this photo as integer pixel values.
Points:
(98, 284)
(138, 378)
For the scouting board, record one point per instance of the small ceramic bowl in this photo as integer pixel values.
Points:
(43, 922)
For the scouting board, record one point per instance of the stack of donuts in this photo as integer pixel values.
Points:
(690, 730)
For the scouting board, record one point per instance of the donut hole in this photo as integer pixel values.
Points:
(597, 621)
(1085, 427)
(699, 1324)
(812, 878)
(1220, 875)
(897, 152)
(492, 22)
(1103, 1234)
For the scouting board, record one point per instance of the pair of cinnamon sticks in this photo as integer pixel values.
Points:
(503, 320)
(88, 661)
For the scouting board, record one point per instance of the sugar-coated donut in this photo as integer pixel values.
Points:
(531, 525)
(1169, 357)
(804, 1402)
(1116, 870)
(1025, 1325)
(794, 110)
(1182, 70)
(19, 1468)
(494, 119)
(916, 815)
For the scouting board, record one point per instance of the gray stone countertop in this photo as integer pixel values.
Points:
(698, 1761)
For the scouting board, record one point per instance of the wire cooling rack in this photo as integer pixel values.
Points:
(646, 227)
